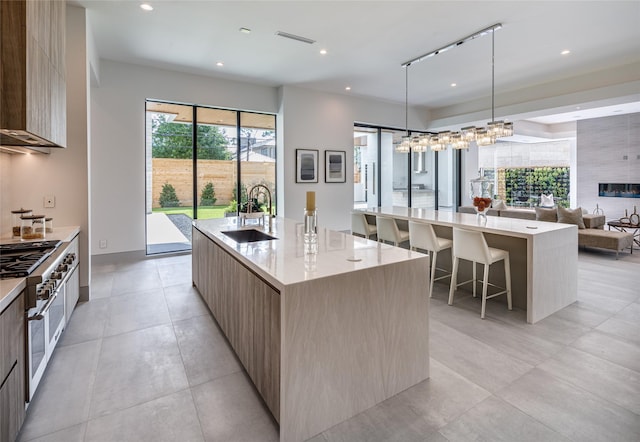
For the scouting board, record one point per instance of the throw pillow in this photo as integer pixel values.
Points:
(547, 200)
(569, 216)
(549, 215)
(499, 205)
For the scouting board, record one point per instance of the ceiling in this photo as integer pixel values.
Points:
(367, 42)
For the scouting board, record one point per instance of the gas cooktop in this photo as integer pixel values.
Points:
(22, 258)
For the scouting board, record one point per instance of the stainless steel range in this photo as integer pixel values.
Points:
(47, 267)
(20, 259)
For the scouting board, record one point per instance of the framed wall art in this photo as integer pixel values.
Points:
(306, 166)
(334, 166)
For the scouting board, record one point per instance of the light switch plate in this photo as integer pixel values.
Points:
(49, 201)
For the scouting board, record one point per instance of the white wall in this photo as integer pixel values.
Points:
(320, 121)
(603, 144)
(62, 173)
(5, 195)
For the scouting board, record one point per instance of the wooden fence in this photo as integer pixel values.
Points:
(223, 175)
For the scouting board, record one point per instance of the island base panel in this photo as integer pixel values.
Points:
(350, 342)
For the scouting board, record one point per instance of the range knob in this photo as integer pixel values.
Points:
(43, 294)
(56, 275)
(62, 268)
(45, 291)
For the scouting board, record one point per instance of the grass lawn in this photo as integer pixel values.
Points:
(204, 212)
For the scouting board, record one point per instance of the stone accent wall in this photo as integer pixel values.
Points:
(223, 175)
(608, 151)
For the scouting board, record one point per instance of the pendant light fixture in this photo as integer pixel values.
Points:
(458, 139)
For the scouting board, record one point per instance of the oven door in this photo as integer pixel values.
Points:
(55, 320)
(36, 345)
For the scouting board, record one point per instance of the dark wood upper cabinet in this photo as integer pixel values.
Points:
(33, 72)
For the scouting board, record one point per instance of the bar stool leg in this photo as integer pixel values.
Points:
(507, 280)
(454, 279)
(474, 279)
(433, 272)
(485, 282)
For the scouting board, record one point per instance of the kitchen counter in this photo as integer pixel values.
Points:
(543, 255)
(323, 336)
(10, 288)
(64, 234)
(282, 262)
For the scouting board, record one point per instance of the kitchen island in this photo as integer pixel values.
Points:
(323, 336)
(543, 255)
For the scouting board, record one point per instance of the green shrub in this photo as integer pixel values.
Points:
(168, 197)
(243, 193)
(208, 195)
(232, 207)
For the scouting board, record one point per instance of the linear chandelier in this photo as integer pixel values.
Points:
(456, 139)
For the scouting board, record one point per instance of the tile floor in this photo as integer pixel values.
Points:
(144, 361)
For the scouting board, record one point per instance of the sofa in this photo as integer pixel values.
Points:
(593, 235)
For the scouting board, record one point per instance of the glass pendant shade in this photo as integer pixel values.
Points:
(484, 138)
(468, 133)
(458, 142)
(444, 138)
(404, 146)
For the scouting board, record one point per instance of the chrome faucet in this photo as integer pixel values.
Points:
(255, 192)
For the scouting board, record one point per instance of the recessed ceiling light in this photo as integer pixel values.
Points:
(323, 51)
(565, 52)
(453, 84)
(578, 107)
(220, 64)
(146, 7)
(245, 30)
(348, 88)
(617, 111)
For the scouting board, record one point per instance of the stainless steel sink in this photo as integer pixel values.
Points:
(248, 235)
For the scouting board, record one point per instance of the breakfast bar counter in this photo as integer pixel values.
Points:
(544, 255)
(325, 335)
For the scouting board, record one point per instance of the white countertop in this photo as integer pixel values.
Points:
(10, 288)
(511, 226)
(64, 234)
(284, 262)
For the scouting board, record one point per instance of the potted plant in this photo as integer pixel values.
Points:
(251, 209)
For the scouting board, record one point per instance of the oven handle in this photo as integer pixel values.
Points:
(40, 315)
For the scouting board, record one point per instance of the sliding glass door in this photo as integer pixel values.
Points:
(385, 176)
(258, 156)
(365, 167)
(200, 161)
(169, 175)
(216, 164)
(394, 173)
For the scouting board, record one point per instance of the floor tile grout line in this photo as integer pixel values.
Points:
(577, 387)
(122, 410)
(195, 407)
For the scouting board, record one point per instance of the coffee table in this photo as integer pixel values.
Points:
(634, 229)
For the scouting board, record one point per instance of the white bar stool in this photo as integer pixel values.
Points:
(472, 246)
(422, 236)
(388, 231)
(360, 225)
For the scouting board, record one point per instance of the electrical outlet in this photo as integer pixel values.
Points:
(102, 243)
(49, 201)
